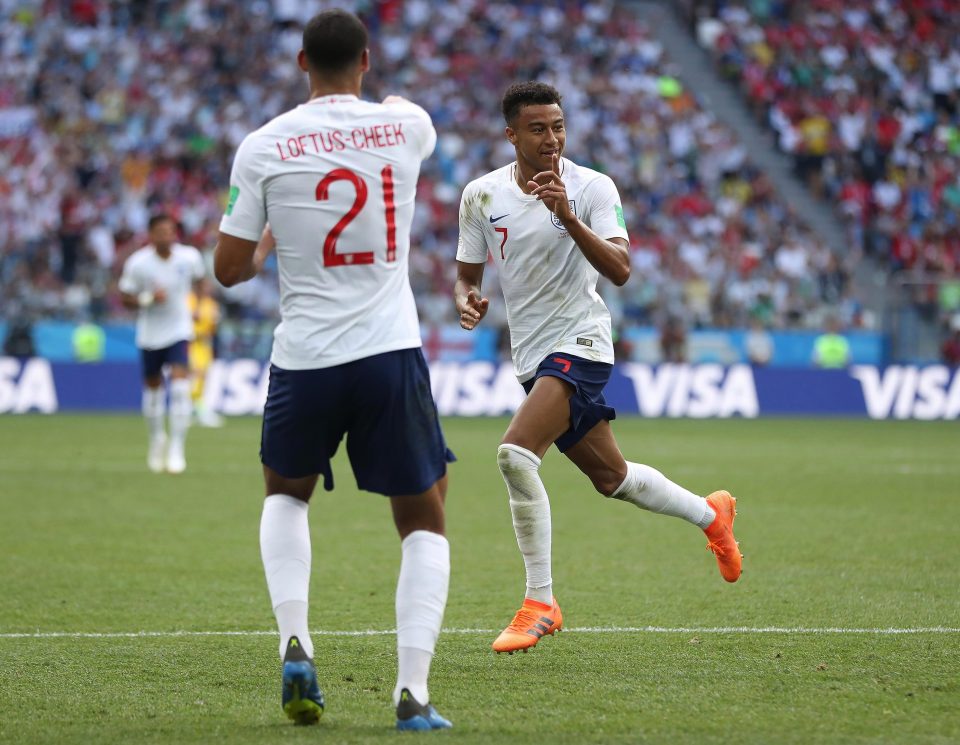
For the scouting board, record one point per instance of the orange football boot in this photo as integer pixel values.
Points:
(720, 535)
(533, 620)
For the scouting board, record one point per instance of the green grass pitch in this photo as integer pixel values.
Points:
(846, 525)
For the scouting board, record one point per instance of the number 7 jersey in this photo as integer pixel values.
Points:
(336, 179)
(549, 287)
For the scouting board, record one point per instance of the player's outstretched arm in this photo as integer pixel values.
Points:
(236, 260)
(471, 305)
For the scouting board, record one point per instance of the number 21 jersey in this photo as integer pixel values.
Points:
(336, 179)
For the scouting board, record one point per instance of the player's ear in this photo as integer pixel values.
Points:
(365, 61)
(511, 135)
(302, 60)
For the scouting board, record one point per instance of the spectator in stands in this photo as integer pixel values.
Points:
(19, 340)
(758, 344)
(815, 135)
(950, 350)
(89, 342)
(831, 350)
(673, 341)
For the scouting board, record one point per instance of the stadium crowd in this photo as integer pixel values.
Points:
(865, 94)
(113, 110)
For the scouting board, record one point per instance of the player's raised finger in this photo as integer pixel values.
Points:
(545, 177)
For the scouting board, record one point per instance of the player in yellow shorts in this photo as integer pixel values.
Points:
(206, 316)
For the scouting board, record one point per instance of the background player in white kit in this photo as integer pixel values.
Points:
(336, 180)
(156, 281)
(552, 227)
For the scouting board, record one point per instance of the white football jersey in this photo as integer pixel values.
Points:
(549, 287)
(336, 179)
(162, 324)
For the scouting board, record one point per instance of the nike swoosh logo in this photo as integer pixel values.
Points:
(495, 219)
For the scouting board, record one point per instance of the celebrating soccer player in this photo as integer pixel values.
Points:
(553, 228)
(156, 281)
(336, 180)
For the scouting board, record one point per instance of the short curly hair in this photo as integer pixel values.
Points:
(530, 93)
(333, 40)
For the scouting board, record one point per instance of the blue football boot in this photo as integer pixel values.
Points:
(412, 715)
(302, 698)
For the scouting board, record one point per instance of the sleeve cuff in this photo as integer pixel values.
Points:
(247, 235)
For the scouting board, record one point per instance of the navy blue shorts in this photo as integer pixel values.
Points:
(154, 359)
(588, 407)
(384, 406)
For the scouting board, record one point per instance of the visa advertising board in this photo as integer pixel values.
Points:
(479, 388)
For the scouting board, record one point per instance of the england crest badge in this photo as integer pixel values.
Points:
(556, 220)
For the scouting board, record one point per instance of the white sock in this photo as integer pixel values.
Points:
(292, 621)
(413, 669)
(649, 489)
(421, 600)
(285, 550)
(530, 508)
(181, 410)
(154, 406)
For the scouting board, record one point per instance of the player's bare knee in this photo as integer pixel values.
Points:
(405, 529)
(297, 493)
(407, 521)
(424, 511)
(301, 489)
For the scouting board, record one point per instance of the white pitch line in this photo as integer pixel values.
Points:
(763, 630)
(581, 630)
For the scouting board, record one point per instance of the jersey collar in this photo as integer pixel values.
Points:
(157, 253)
(334, 98)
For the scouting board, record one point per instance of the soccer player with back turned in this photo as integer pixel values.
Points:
(336, 178)
(552, 228)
